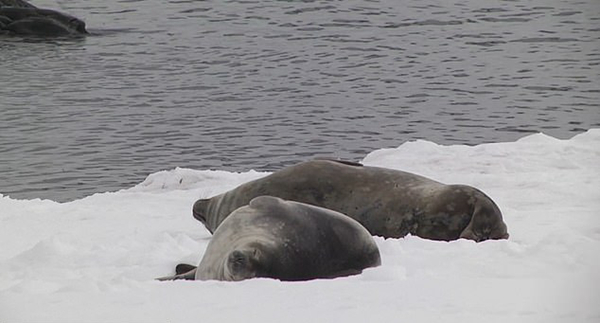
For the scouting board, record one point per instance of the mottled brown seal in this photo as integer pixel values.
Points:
(389, 203)
(284, 240)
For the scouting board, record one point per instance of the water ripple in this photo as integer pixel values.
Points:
(236, 85)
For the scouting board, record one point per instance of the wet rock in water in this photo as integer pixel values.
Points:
(18, 17)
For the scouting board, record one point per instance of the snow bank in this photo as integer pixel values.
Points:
(94, 259)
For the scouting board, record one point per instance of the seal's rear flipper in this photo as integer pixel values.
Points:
(341, 161)
(183, 271)
(199, 211)
(183, 268)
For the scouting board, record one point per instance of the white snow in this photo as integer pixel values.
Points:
(95, 259)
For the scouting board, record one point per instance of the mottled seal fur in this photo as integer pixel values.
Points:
(284, 240)
(389, 203)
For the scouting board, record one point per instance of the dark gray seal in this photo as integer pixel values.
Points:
(389, 203)
(284, 240)
(39, 26)
(16, 4)
(18, 18)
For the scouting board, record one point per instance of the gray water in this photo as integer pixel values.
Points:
(239, 85)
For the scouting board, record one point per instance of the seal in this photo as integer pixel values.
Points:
(39, 26)
(389, 203)
(16, 4)
(21, 18)
(285, 240)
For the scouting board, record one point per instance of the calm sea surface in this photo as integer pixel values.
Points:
(239, 85)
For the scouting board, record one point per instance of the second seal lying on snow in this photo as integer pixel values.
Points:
(284, 240)
(389, 203)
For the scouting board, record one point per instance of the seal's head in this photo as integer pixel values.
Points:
(480, 233)
(486, 222)
(249, 262)
(78, 25)
(72, 23)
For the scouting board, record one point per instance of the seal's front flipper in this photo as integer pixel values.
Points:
(182, 271)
